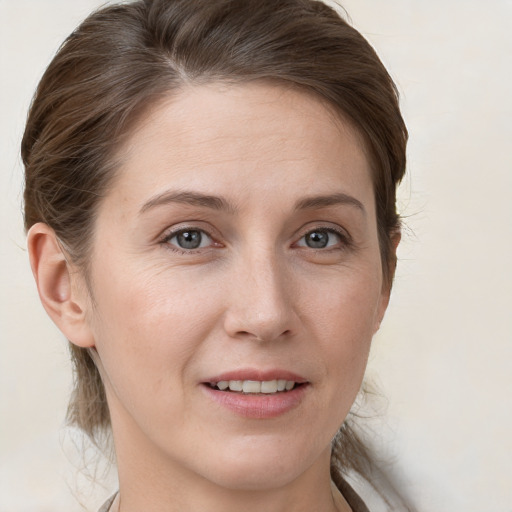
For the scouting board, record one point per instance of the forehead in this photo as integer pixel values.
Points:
(228, 137)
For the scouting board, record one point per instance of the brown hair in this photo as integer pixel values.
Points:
(123, 58)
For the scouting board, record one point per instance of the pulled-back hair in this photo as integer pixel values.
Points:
(123, 58)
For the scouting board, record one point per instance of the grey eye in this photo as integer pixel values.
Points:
(190, 239)
(320, 239)
(317, 239)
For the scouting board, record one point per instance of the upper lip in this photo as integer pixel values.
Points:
(257, 374)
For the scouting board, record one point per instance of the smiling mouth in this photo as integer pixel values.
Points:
(267, 387)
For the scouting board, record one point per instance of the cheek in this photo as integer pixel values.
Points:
(147, 339)
(153, 303)
(147, 332)
(342, 316)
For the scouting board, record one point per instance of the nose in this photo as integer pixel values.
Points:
(260, 301)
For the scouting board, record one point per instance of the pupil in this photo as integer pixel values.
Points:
(189, 239)
(317, 239)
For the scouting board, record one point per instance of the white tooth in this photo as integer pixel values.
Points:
(235, 385)
(251, 386)
(289, 384)
(269, 386)
(281, 385)
(223, 384)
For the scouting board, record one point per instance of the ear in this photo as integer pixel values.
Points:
(64, 298)
(386, 285)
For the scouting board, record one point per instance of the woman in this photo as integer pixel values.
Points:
(210, 206)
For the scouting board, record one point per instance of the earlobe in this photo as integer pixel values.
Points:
(57, 286)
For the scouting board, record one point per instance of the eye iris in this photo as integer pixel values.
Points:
(317, 239)
(189, 239)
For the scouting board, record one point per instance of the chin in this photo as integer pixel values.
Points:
(250, 478)
(260, 468)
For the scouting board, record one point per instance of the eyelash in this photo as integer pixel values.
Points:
(165, 241)
(345, 240)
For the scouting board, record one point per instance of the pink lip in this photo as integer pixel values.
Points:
(257, 406)
(254, 374)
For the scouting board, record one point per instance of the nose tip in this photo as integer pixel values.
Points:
(257, 321)
(260, 306)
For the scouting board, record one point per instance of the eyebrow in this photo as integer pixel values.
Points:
(191, 198)
(329, 200)
(221, 204)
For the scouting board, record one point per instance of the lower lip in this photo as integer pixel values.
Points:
(258, 406)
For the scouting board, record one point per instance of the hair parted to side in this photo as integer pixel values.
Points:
(123, 58)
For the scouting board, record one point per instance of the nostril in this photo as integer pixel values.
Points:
(263, 337)
(245, 334)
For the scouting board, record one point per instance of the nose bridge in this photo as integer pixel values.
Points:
(260, 302)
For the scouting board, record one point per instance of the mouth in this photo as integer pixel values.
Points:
(254, 394)
(256, 387)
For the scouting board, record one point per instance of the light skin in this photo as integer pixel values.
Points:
(286, 276)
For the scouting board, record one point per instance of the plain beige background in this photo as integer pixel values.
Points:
(443, 356)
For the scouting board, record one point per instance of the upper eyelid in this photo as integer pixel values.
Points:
(322, 227)
(170, 232)
(165, 240)
(341, 237)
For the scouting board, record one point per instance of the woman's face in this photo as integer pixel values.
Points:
(237, 246)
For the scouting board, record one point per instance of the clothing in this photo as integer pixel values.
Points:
(106, 506)
(352, 498)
